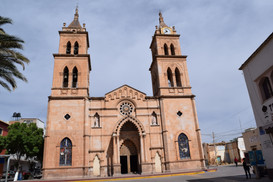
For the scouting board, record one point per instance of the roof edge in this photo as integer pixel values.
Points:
(256, 51)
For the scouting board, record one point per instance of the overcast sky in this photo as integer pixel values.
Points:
(218, 36)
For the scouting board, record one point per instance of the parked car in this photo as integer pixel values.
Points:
(11, 174)
(26, 174)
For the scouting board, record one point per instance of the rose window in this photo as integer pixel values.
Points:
(126, 108)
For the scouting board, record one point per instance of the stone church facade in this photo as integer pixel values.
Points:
(125, 131)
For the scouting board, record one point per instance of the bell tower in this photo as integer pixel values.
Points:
(67, 113)
(171, 86)
(72, 63)
(168, 69)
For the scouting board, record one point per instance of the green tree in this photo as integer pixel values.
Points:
(10, 57)
(23, 140)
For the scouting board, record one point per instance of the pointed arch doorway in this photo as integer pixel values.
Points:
(129, 149)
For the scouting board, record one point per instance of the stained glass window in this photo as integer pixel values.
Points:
(183, 144)
(66, 152)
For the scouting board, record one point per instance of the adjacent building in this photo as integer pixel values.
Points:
(258, 73)
(224, 152)
(124, 131)
(3, 132)
(39, 123)
(252, 139)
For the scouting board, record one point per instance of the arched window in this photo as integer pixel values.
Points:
(183, 144)
(266, 89)
(75, 77)
(172, 49)
(178, 78)
(96, 120)
(68, 47)
(76, 48)
(170, 77)
(166, 52)
(65, 77)
(66, 152)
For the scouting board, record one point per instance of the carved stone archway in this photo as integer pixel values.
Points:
(128, 136)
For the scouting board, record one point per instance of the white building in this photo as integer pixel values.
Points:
(39, 123)
(241, 147)
(258, 73)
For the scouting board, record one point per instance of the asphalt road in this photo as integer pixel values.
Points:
(228, 173)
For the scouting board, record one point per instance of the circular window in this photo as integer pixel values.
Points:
(126, 108)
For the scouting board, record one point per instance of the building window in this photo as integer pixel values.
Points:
(1, 131)
(265, 88)
(126, 108)
(166, 52)
(183, 144)
(68, 47)
(66, 152)
(172, 49)
(76, 48)
(75, 77)
(65, 77)
(178, 78)
(170, 77)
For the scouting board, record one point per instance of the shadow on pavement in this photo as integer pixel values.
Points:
(231, 178)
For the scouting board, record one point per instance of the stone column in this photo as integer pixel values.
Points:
(141, 149)
(114, 148)
(145, 167)
(116, 162)
(118, 151)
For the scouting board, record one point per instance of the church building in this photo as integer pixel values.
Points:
(124, 131)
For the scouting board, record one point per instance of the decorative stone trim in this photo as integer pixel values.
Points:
(95, 151)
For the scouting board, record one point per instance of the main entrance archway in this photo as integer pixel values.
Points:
(129, 149)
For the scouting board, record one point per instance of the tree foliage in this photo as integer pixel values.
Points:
(23, 140)
(10, 57)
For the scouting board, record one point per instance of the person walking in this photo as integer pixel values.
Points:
(236, 161)
(246, 168)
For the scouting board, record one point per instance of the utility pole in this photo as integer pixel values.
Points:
(213, 140)
(240, 125)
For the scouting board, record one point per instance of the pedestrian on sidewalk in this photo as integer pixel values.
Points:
(246, 168)
(236, 161)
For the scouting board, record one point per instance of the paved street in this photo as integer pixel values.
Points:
(226, 173)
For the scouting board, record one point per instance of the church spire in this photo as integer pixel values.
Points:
(75, 23)
(161, 21)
